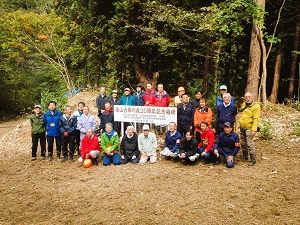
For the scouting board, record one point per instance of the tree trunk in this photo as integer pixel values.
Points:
(99, 66)
(206, 72)
(277, 68)
(254, 58)
(294, 60)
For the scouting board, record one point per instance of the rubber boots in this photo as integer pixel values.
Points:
(252, 160)
(245, 155)
(95, 161)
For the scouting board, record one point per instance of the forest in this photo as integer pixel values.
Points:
(50, 49)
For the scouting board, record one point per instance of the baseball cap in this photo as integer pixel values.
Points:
(227, 124)
(146, 127)
(139, 85)
(114, 91)
(37, 106)
(223, 87)
(181, 89)
(127, 89)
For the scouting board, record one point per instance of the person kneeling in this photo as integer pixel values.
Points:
(227, 145)
(207, 141)
(90, 148)
(188, 147)
(110, 145)
(147, 145)
(171, 144)
(129, 147)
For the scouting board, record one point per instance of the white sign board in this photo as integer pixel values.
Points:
(145, 114)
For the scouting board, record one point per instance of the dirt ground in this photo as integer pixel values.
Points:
(42, 192)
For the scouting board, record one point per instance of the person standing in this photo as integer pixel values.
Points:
(139, 98)
(51, 120)
(129, 147)
(108, 117)
(68, 125)
(184, 115)
(110, 145)
(226, 112)
(114, 98)
(161, 99)
(196, 101)
(172, 141)
(178, 98)
(147, 143)
(77, 114)
(101, 100)
(219, 98)
(38, 132)
(248, 126)
(227, 145)
(127, 98)
(149, 95)
(86, 121)
(203, 113)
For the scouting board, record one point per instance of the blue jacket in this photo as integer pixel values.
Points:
(228, 144)
(171, 141)
(108, 117)
(67, 125)
(185, 116)
(52, 122)
(86, 122)
(127, 100)
(139, 98)
(226, 114)
(219, 100)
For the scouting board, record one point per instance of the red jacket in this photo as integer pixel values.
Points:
(88, 145)
(161, 102)
(207, 140)
(149, 97)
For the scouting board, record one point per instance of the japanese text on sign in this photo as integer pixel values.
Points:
(145, 114)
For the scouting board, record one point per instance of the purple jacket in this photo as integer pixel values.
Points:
(86, 122)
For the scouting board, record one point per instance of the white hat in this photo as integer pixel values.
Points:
(146, 127)
(37, 106)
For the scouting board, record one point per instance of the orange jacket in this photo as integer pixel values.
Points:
(202, 115)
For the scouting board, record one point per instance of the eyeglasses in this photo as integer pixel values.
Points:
(223, 90)
(248, 96)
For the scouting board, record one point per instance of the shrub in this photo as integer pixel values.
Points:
(296, 129)
(266, 130)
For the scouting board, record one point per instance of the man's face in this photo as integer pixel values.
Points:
(138, 89)
(203, 127)
(130, 131)
(226, 99)
(188, 136)
(227, 130)
(52, 106)
(108, 129)
(89, 133)
(127, 92)
(223, 91)
(146, 132)
(198, 95)
(107, 106)
(114, 95)
(85, 110)
(180, 93)
(37, 110)
(185, 99)
(172, 127)
(202, 103)
(102, 90)
(80, 107)
(149, 86)
(160, 88)
(68, 110)
(248, 97)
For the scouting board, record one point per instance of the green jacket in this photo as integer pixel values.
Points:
(37, 124)
(250, 116)
(113, 142)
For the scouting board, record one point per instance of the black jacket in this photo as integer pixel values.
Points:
(100, 101)
(67, 125)
(185, 116)
(188, 147)
(108, 118)
(129, 146)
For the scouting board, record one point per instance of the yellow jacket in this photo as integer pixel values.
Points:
(250, 116)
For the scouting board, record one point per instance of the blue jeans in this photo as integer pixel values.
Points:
(115, 158)
(228, 164)
(207, 156)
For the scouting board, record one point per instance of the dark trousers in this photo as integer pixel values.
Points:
(77, 138)
(198, 138)
(35, 142)
(183, 129)
(50, 141)
(69, 140)
(125, 161)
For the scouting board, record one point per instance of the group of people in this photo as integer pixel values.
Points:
(188, 139)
